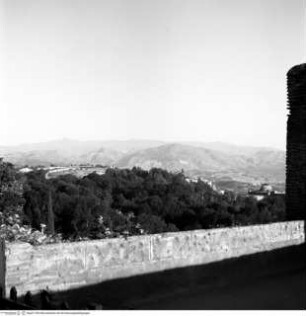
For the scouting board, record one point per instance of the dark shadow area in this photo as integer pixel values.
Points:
(277, 292)
(174, 288)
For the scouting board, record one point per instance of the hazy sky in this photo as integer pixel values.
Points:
(203, 70)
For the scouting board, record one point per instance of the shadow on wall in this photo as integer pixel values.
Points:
(266, 280)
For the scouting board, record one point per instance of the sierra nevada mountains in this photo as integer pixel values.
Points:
(217, 161)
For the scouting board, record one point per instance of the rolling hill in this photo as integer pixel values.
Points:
(215, 161)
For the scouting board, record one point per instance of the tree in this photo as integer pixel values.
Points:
(11, 190)
(51, 228)
(152, 224)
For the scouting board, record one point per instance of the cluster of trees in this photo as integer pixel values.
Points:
(129, 202)
(11, 193)
(12, 218)
(122, 202)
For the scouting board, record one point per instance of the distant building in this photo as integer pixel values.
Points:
(265, 190)
(189, 180)
(25, 170)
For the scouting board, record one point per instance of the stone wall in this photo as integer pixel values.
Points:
(296, 144)
(73, 265)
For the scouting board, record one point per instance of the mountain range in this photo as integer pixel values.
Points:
(216, 161)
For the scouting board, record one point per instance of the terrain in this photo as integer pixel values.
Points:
(229, 166)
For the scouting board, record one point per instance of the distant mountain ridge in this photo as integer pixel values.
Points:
(210, 160)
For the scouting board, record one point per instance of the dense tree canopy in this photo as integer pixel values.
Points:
(129, 202)
(122, 202)
(11, 190)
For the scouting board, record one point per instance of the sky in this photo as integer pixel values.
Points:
(171, 70)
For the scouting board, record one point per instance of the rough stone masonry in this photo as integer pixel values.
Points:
(296, 144)
(66, 266)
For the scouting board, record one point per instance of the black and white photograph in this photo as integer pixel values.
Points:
(152, 156)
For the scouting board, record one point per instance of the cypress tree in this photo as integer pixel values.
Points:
(51, 229)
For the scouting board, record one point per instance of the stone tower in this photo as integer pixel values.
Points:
(296, 143)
